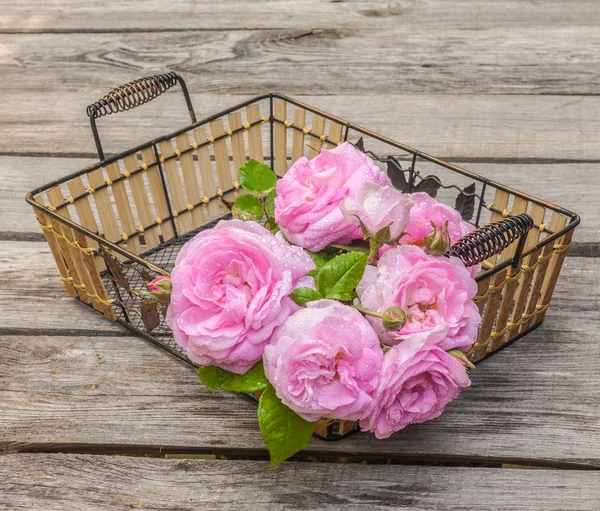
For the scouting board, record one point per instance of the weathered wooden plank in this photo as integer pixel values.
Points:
(565, 184)
(472, 126)
(53, 482)
(151, 15)
(535, 401)
(32, 296)
(507, 59)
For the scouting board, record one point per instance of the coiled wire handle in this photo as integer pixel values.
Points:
(133, 94)
(491, 239)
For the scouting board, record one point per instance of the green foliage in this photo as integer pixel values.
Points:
(257, 177)
(320, 258)
(355, 246)
(252, 381)
(284, 432)
(247, 207)
(303, 295)
(271, 225)
(212, 376)
(270, 203)
(339, 276)
(215, 378)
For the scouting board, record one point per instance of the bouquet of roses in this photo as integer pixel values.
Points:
(328, 292)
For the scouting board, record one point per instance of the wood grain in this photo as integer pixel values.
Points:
(535, 401)
(64, 482)
(471, 126)
(154, 15)
(514, 60)
(565, 184)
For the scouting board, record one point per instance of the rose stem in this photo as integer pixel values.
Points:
(367, 311)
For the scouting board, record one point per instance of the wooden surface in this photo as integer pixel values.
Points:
(155, 15)
(530, 391)
(507, 128)
(507, 89)
(245, 58)
(86, 483)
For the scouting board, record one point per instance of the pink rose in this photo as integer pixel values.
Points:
(377, 207)
(230, 290)
(431, 290)
(324, 362)
(308, 196)
(427, 210)
(418, 379)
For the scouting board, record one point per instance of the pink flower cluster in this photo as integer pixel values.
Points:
(231, 305)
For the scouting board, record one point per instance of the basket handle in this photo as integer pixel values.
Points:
(134, 94)
(491, 239)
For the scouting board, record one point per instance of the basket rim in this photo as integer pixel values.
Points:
(575, 219)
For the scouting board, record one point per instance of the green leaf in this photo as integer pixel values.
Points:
(215, 377)
(355, 246)
(313, 273)
(320, 258)
(247, 207)
(252, 381)
(338, 277)
(284, 432)
(257, 177)
(303, 295)
(212, 376)
(270, 203)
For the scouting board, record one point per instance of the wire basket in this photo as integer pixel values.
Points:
(121, 221)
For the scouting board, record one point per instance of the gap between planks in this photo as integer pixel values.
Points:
(258, 455)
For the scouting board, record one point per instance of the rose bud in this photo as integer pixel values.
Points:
(437, 241)
(159, 285)
(394, 319)
(159, 289)
(382, 211)
(426, 209)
